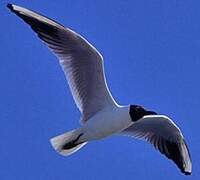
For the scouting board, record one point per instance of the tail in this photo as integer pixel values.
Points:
(66, 144)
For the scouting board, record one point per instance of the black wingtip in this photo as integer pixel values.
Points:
(187, 173)
(10, 6)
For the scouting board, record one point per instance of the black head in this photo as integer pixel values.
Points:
(137, 112)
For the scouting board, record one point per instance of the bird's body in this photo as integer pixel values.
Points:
(110, 120)
(101, 115)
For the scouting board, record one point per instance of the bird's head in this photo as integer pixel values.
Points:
(137, 112)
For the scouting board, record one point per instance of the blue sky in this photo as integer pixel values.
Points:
(152, 57)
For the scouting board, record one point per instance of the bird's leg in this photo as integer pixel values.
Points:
(72, 143)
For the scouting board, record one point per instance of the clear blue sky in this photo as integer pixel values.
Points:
(152, 57)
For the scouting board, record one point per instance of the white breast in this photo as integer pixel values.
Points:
(107, 122)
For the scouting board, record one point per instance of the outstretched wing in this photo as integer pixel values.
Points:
(160, 131)
(81, 62)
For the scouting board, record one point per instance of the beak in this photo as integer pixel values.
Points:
(150, 113)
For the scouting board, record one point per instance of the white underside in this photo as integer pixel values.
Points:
(109, 121)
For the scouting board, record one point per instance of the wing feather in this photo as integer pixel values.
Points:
(165, 136)
(80, 61)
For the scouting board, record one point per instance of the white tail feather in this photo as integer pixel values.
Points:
(59, 141)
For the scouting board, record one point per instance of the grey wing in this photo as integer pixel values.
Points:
(81, 62)
(160, 131)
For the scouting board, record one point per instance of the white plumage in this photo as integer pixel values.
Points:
(101, 115)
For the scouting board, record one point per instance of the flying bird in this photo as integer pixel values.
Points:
(101, 115)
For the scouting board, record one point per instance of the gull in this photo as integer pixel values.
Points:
(101, 115)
